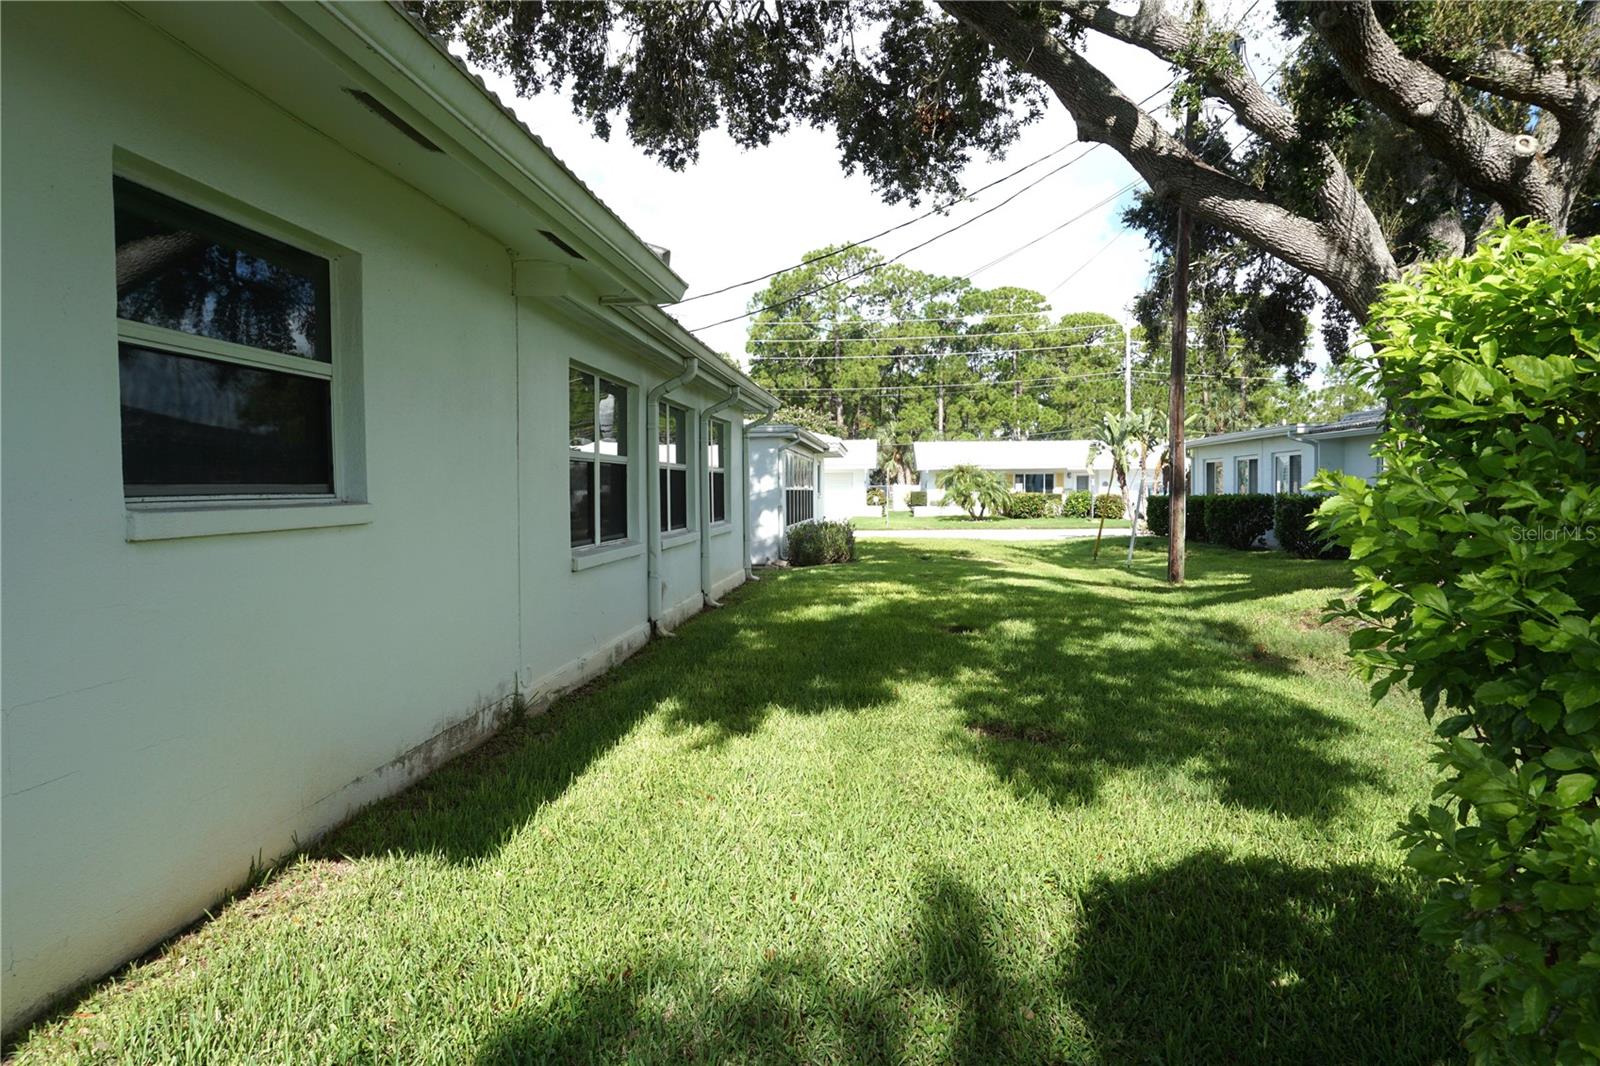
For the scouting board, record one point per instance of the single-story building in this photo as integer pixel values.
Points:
(1284, 458)
(1050, 466)
(305, 335)
(786, 485)
(846, 477)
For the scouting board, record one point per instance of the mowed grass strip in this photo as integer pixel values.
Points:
(905, 520)
(956, 802)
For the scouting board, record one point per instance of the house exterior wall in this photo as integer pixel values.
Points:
(766, 500)
(1350, 454)
(175, 708)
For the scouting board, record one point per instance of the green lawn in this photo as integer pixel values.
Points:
(958, 801)
(902, 520)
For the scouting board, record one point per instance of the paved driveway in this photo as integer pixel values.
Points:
(868, 533)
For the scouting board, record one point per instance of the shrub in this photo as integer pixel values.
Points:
(1478, 584)
(919, 498)
(1158, 514)
(1194, 518)
(877, 497)
(1107, 505)
(1076, 504)
(977, 491)
(820, 541)
(1291, 518)
(1032, 505)
(1239, 520)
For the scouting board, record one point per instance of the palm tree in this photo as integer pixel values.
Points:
(973, 489)
(1113, 434)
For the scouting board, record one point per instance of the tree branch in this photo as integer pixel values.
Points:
(1498, 164)
(1555, 86)
(1346, 251)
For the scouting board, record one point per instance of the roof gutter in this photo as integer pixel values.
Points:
(652, 478)
(704, 440)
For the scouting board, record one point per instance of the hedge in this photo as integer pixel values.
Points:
(1238, 520)
(1157, 512)
(1194, 519)
(918, 498)
(1032, 505)
(820, 541)
(1291, 517)
(1106, 506)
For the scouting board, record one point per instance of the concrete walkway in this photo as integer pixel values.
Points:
(868, 533)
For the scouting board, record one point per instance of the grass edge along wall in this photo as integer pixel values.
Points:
(195, 684)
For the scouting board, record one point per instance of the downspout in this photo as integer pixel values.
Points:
(704, 440)
(744, 478)
(652, 466)
(1316, 454)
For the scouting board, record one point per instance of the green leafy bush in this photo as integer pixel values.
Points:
(820, 541)
(1107, 505)
(1478, 584)
(1291, 524)
(1194, 518)
(1076, 504)
(919, 498)
(1238, 521)
(877, 497)
(1158, 514)
(1033, 505)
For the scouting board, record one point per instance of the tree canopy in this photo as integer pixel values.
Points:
(1492, 109)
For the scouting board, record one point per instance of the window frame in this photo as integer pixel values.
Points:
(721, 431)
(794, 462)
(596, 458)
(1046, 479)
(1293, 484)
(1215, 486)
(344, 474)
(1250, 466)
(664, 469)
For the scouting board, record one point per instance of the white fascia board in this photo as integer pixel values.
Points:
(395, 51)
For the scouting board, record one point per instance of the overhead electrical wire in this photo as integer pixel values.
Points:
(937, 236)
(926, 354)
(1093, 376)
(950, 336)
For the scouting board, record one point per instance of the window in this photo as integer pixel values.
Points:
(597, 458)
(1213, 477)
(1286, 472)
(224, 355)
(674, 454)
(717, 463)
(1245, 472)
(1083, 483)
(799, 488)
(1035, 483)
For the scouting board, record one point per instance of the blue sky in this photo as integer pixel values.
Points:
(737, 213)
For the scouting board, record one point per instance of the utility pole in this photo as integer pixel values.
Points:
(1178, 499)
(1127, 367)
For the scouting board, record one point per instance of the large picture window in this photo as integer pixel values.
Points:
(717, 463)
(672, 448)
(799, 488)
(225, 356)
(597, 458)
(1035, 483)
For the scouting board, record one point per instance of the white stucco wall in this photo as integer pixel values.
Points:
(173, 709)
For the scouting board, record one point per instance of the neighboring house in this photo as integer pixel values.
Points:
(846, 478)
(305, 340)
(1276, 459)
(1051, 466)
(786, 485)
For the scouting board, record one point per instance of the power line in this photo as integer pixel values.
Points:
(937, 336)
(937, 210)
(1097, 375)
(951, 318)
(1083, 265)
(924, 354)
